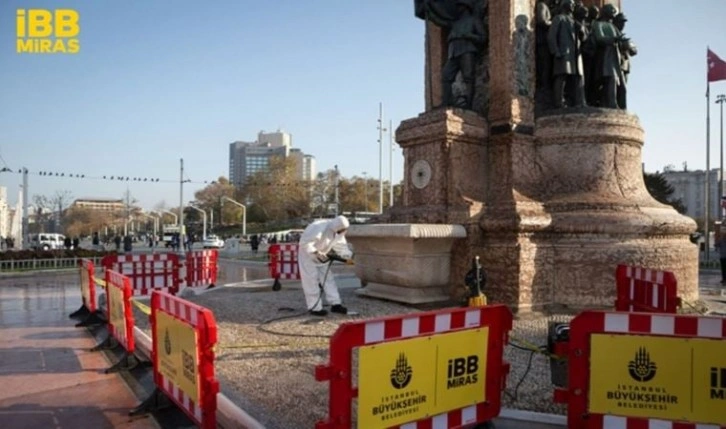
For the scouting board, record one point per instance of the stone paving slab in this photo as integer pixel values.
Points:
(49, 377)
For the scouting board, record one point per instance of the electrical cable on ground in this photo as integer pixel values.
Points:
(261, 328)
(513, 396)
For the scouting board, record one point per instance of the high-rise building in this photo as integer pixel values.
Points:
(247, 158)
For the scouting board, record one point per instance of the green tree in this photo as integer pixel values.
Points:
(210, 198)
(278, 192)
(661, 190)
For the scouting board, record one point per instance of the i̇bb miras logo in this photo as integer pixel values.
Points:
(42, 31)
(462, 371)
(718, 383)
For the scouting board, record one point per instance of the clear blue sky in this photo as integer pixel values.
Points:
(161, 80)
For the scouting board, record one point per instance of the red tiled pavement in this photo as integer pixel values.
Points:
(48, 378)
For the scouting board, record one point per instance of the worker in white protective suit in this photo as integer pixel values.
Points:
(318, 239)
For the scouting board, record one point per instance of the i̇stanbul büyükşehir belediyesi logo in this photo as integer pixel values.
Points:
(401, 373)
(641, 368)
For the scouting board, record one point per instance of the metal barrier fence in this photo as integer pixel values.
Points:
(643, 289)
(184, 335)
(283, 263)
(43, 264)
(438, 369)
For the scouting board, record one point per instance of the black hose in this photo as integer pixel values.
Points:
(261, 328)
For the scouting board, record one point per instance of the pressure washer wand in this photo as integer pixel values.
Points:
(332, 256)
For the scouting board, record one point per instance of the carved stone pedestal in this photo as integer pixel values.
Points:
(592, 213)
(445, 167)
(403, 262)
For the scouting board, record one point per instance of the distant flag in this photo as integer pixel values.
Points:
(716, 67)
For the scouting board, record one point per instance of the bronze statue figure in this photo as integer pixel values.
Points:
(565, 40)
(607, 73)
(627, 49)
(543, 65)
(466, 38)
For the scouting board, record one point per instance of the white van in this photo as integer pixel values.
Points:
(47, 241)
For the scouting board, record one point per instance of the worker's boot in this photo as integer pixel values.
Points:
(320, 312)
(337, 308)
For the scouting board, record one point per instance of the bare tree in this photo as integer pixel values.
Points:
(43, 211)
(60, 201)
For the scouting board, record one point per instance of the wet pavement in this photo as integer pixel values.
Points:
(49, 377)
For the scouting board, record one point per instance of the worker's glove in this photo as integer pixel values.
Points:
(349, 262)
(321, 257)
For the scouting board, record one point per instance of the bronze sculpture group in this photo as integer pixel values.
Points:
(582, 55)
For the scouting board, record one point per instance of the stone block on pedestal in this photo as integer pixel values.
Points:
(407, 263)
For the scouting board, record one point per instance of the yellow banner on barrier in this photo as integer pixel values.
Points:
(407, 380)
(85, 288)
(141, 306)
(658, 377)
(177, 353)
(116, 309)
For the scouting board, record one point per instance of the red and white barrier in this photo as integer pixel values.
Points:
(202, 267)
(643, 289)
(653, 338)
(120, 314)
(147, 272)
(496, 320)
(283, 262)
(184, 335)
(89, 312)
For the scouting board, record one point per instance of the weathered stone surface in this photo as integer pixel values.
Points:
(404, 262)
(452, 142)
(592, 212)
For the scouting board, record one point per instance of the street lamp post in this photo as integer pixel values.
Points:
(24, 234)
(381, 130)
(390, 164)
(365, 187)
(156, 225)
(176, 218)
(204, 220)
(244, 214)
(720, 99)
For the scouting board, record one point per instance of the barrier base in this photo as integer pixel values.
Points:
(485, 425)
(277, 285)
(92, 319)
(81, 313)
(109, 343)
(156, 401)
(126, 363)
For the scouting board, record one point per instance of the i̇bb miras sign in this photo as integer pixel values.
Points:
(408, 380)
(44, 31)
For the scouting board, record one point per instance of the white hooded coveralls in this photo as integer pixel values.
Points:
(321, 236)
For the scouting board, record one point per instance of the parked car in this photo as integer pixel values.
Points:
(47, 241)
(213, 242)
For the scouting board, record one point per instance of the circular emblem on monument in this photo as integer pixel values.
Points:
(421, 173)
